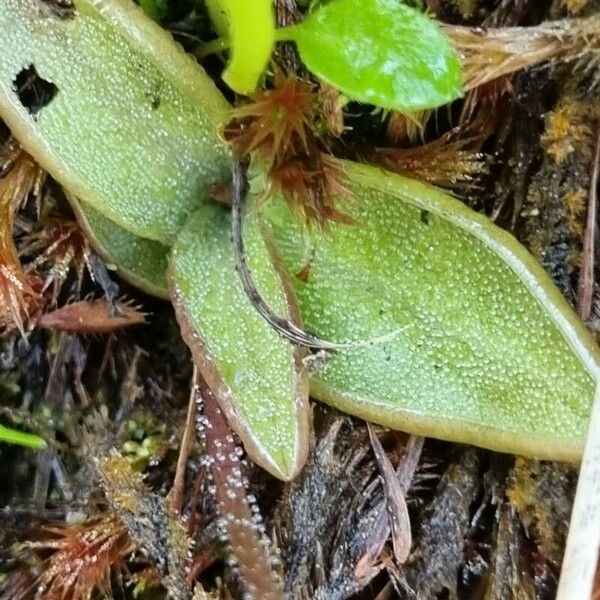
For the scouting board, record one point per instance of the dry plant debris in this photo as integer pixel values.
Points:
(473, 525)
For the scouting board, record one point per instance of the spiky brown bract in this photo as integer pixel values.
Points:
(20, 296)
(310, 189)
(276, 123)
(278, 128)
(93, 316)
(84, 556)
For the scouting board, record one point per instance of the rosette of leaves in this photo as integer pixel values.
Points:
(469, 339)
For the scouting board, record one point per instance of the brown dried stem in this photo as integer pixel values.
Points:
(187, 440)
(403, 478)
(488, 54)
(585, 290)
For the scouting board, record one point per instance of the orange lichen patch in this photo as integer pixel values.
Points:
(93, 316)
(83, 558)
(19, 296)
(276, 124)
(575, 6)
(564, 132)
(575, 203)
(123, 485)
(59, 245)
(541, 494)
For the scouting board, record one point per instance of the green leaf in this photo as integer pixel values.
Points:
(29, 440)
(218, 16)
(155, 9)
(140, 261)
(254, 373)
(486, 350)
(381, 52)
(251, 27)
(132, 128)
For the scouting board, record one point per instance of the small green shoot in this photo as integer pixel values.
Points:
(20, 438)
(380, 52)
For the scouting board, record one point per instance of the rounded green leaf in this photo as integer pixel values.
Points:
(140, 261)
(381, 52)
(484, 348)
(255, 374)
(132, 126)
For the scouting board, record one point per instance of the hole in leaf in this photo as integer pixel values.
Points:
(63, 9)
(34, 92)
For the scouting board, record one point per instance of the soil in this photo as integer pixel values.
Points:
(484, 525)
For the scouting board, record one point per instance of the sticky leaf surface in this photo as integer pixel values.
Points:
(253, 372)
(132, 125)
(486, 351)
(381, 52)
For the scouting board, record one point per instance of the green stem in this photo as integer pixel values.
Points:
(212, 47)
(283, 34)
(12, 436)
(287, 34)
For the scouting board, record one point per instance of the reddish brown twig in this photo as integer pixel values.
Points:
(93, 316)
(239, 519)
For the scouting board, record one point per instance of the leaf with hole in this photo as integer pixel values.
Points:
(484, 348)
(130, 125)
(381, 52)
(255, 374)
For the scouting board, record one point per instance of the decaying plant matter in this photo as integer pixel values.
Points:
(489, 54)
(280, 125)
(112, 505)
(19, 291)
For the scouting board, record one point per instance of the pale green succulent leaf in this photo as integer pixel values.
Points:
(255, 374)
(132, 128)
(484, 349)
(251, 31)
